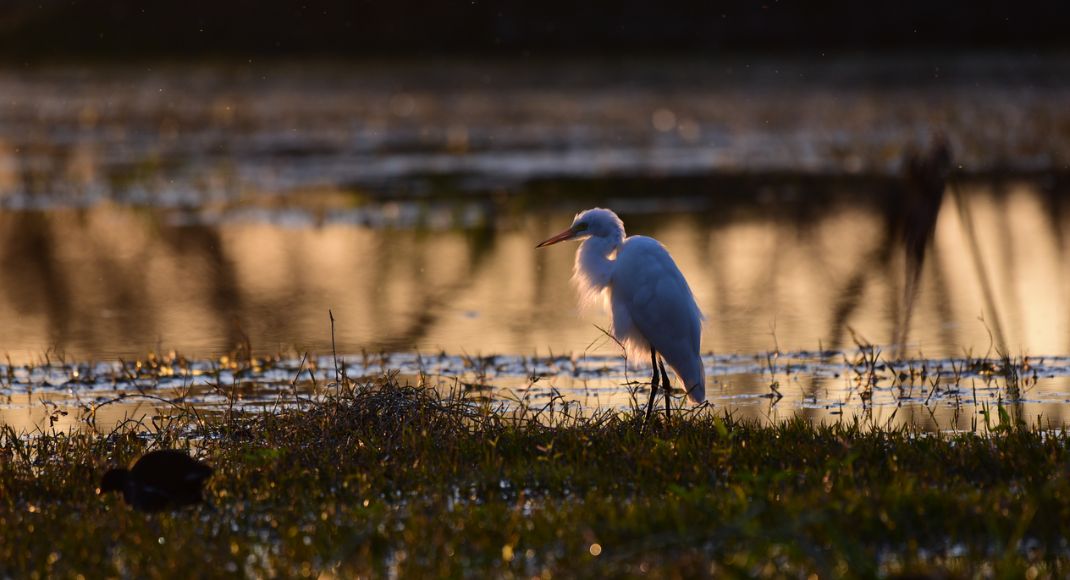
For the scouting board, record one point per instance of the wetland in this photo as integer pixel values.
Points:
(321, 279)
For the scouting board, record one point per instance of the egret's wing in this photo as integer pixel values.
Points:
(653, 305)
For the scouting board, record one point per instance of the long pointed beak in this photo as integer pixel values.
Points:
(565, 235)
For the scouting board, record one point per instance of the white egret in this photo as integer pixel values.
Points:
(652, 306)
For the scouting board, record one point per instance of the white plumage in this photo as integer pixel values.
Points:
(651, 304)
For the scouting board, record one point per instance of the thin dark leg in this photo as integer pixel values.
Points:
(667, 387)
(653, 387)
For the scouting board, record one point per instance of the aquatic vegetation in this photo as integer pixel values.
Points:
(383, 477)
(934, 394)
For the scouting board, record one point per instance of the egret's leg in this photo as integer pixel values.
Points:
(667, 387)
(653, 387)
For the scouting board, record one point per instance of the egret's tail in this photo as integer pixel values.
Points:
(696, 393)
(693, 375)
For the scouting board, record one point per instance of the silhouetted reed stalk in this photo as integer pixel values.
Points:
(979, 267)
(925, 179)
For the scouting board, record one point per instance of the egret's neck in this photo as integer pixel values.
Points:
(594, 268)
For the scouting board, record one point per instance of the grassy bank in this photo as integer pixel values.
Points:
(390, 478)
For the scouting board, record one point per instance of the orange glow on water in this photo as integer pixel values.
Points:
(113, 281)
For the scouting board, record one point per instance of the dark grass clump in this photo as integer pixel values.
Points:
(387, 478)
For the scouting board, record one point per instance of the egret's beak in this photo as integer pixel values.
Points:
(565, 235)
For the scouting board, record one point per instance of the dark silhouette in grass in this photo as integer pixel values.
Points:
(160, 480)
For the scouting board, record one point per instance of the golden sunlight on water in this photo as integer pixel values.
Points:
(113, 281)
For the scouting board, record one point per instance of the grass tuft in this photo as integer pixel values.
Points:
(386, 478)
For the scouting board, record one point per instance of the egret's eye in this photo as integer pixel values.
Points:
(580, 227)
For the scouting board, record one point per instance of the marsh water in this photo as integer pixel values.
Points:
(204, 210)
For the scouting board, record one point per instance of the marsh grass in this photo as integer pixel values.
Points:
(386, 478)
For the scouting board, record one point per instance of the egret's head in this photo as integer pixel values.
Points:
(595, 222)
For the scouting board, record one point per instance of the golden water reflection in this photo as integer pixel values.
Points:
(110, 281)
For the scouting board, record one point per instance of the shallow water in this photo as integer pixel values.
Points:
(208, 209)
(937, 394)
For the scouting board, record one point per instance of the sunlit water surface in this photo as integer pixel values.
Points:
(946, 394)
(460, 292)
(464, 277)
(208, 210)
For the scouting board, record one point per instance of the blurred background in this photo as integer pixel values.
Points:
(194, 175)
(128, 29)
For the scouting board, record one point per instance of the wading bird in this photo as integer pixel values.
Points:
(652, 306)
(164, 479)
